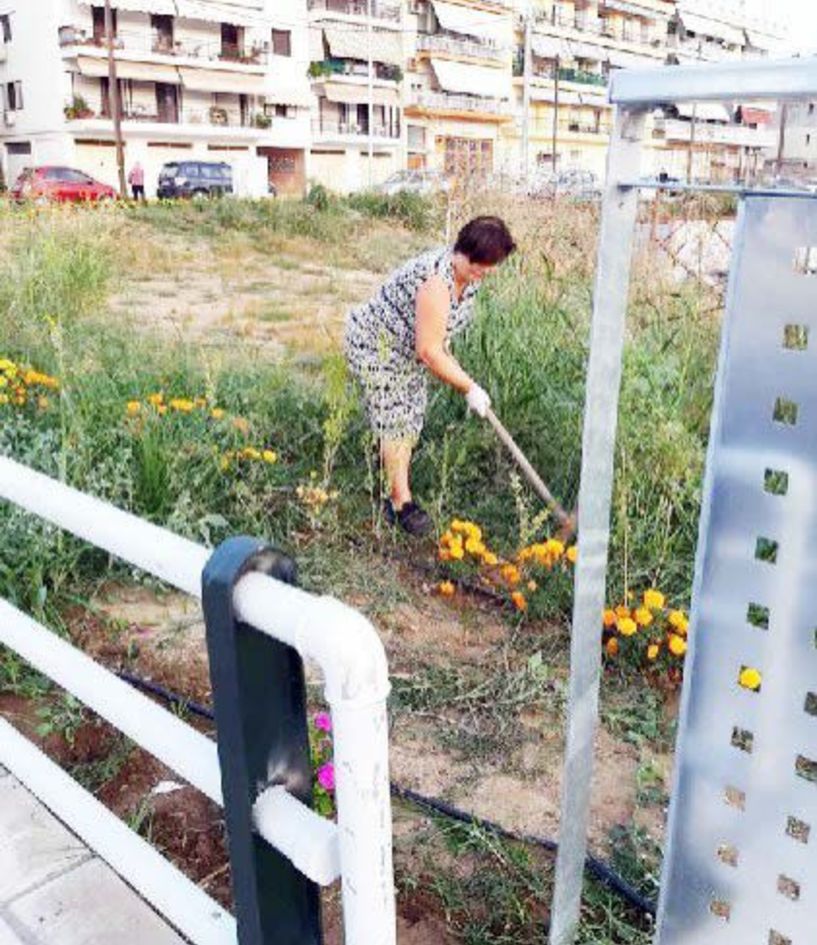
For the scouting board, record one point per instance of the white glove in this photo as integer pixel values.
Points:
(478, 400)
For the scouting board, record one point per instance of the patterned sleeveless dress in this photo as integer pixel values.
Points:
(379, 344)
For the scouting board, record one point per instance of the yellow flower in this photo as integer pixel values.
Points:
(622, 611)
(678, 620)
(511, 573)
(6, 365)
(201, 401)
(444, 554)
(133, 407)
(457, 526)
(652, 651)
(750, 678)
(42, 403)
(489, 559)
(626, 626)
(554, 547)
(519, 601)
(446, 538)
(572, 554)
(474, 546)
(182, 404)
(456, 550)
(225, 461)
(611, 647)
(473, 531)
(269, 456)
(677, 645)
(155, 399)
(446, 588)
(653, 599)
(643, 617)
(250, 452)
(609, 618)
(217, 413)
(162, 409)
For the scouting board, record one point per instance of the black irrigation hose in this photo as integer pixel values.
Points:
(594, 865)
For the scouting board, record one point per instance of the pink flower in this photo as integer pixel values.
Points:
(326, 776)
(323, 722)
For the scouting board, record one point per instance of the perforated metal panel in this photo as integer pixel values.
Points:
(741, 859)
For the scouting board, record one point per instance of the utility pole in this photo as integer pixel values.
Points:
(781, 141)
(115, 102)
(555, 115)
(369, 38)
(690, 153)
(527, 69)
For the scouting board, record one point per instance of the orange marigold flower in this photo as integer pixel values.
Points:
(444, 554)
(489, 559)
(678, 621)
(609, 618)
(611, 647)
(677, 645)
(446, 588)
(519, 601)
(626, 626)
(622, 611)
(643, 617)
(511, 573)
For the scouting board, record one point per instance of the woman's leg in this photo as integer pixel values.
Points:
(396, 456)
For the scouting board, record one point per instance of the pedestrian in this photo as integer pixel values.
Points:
(136, 179)
(402, 334)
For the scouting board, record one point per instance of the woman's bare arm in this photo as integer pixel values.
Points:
(433, 306)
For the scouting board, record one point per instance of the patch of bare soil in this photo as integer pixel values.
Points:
(275, 302)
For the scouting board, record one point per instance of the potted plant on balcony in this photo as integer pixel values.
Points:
(218, 115)
(78, 109)
(260, 120)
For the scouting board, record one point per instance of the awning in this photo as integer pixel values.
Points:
(704, 26)
(240, 13)
(472, 80)
(283, 94)
(756, 116)
(469, 21)
(704, 111)
(316, 50)
(624, 60)
(549, 47)
(634, 9)
(350, 42)
(565, 98)
(210, 80)
(359, 94)
(139, 71)
(164, 7)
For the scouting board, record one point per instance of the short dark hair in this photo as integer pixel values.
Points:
(485, 240)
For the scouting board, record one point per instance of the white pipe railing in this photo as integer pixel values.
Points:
(339, 639)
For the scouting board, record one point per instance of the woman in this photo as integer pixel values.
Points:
(403, 333)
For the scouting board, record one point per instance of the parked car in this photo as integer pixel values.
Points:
(60, 184)
(414, 182)
(194, 179)
(574, 184)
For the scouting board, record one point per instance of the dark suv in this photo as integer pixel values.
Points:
(195, 179)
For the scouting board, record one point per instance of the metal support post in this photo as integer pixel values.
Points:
(598, 441)
(259, 697)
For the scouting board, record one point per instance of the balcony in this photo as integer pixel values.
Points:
(468, 49)
(143, 45)
(630, 34)
(380, 11)
(675, 129)
(339, 68)
(331, 129)
(186, 122)
(443, 102)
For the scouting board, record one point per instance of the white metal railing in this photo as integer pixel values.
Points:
(434, 42)
(339, 639)
(147, 43)
(442, 101)
(380, 11)
(323, 128)
(674, 129)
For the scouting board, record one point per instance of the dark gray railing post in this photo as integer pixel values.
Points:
(259, 697)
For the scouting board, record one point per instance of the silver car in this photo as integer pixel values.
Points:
(421, 182)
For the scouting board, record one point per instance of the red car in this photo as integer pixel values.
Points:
(60, 184)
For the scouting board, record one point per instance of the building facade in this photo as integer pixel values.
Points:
(197, 80)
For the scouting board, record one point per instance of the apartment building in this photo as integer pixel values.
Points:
(351, 148)
(459, 93)
(575, 47)
(197, 80)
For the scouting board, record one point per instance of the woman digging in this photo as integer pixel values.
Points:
(403, 333)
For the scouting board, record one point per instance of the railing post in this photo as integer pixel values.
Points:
(259, 697)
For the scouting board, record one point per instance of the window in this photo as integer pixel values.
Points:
(18, 147)
(284, 111)
(281, 43)
(811, 108)
(98, 18)
(5, 27)
(14, 96)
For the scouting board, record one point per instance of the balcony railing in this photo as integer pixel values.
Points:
(674, 129)
(329, 127)
(435, 42)
(600, 27)
(145, 43)
(380, 11)
(442, 101)
(334, 67)
(215, 117)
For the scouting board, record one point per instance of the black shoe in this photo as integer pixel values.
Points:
(410, 517)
